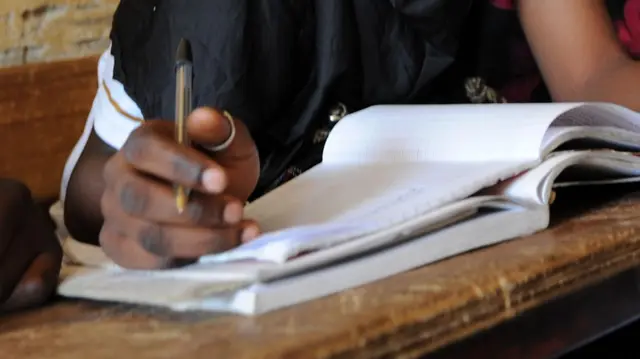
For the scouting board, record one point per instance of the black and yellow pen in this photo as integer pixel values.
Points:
(184, 106)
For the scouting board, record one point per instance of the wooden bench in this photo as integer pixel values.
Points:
(529, 298)
(43, 109)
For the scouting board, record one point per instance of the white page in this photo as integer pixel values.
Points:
(597, 114)
(398, 161)
(448, 215)
(467, 133)
(239, 297)
(603, 137)
(367, 192)
(535, 186)
(377, 198)
(442, 133)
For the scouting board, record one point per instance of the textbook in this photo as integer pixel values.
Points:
(399, 187)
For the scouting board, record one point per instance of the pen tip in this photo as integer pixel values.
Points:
(183, 54)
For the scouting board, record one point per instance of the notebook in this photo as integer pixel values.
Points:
(399, 186)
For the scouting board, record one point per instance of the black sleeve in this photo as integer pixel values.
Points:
(279, 65)
(415, 41)
(240, 50)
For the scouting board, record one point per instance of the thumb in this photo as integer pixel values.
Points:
(208, 127)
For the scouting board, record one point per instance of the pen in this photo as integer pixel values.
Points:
(184, 73)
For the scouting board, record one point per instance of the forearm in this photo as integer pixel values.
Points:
(82, 214)
(619, 85)
(578, 53)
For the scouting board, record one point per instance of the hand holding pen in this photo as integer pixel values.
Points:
(217, 165)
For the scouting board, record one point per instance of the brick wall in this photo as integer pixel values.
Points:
(46, 30)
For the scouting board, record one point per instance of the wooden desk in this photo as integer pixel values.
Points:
(528, 298)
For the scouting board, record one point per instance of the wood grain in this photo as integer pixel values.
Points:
(406, 316)
(43, 109)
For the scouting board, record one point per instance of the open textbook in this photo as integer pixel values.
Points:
(399, 187)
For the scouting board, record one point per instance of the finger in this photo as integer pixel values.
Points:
(166, 241)
(147, 199)
(250, 230)
(37, 284)
(209, 128)
(153, 152)
(128, 254)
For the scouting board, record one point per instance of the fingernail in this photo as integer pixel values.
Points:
(250, 233)
(232, 213)
(214, 180)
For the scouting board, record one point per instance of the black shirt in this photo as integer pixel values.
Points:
(282, 65)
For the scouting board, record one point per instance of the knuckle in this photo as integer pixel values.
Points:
(186, 169)
(152, 239)
(218, 241)
(195, 212)
(136, 147)
(110, 169)
(108, 239)
(109, 207)
(213, 208)
(133, 197)
(112, 238)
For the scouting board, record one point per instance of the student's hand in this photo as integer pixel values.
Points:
(142, 227)
(30, 254)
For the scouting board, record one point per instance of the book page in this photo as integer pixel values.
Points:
(594, 125)
(334, 203)
(585, 137)
(373, 193)
(387, 164)
(442, 133)
(600, 115)
(587, 167)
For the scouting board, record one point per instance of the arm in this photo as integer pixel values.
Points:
(578, 53)
(83, 217)
(114, 116)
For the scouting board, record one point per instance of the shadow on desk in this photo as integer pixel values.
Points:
(576, 201)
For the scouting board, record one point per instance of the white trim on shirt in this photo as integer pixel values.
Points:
(108, 123)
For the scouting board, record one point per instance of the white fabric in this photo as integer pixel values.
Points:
(110, 125)
(114, 129)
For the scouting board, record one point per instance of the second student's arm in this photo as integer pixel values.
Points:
(578, 53)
